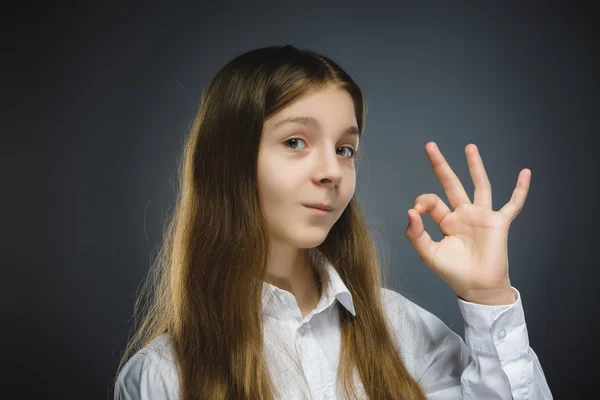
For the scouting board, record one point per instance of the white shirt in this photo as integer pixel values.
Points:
(495, 363)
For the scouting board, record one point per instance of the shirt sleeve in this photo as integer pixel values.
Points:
(496, 361)
(142, 378)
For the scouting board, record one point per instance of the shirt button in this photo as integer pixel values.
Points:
(502, 333)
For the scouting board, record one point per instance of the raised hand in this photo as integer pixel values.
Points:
(473, 255)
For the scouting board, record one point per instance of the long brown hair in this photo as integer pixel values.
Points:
(203, 289)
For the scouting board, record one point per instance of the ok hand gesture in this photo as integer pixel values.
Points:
(472, 257)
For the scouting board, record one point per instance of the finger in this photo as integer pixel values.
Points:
(433, 205)
(450, 182)
(483, 188)
(514, 206)
(419, 238)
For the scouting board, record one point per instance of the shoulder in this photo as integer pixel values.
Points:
(151, 373)
(419, 333)
(401, 311)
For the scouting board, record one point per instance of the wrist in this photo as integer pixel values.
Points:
(501, 297)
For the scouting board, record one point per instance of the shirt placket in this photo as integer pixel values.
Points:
(314, 364)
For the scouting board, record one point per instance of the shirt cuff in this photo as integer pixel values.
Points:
(498, 330)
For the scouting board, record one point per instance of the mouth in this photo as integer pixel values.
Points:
(320, 207)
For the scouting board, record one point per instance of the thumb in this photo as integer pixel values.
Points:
(419, 238)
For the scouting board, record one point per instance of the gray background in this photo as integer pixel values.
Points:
(104, 95)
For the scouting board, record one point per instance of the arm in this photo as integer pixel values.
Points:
(495, 363)
(472, 259)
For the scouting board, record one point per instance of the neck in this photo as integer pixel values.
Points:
(290, 269)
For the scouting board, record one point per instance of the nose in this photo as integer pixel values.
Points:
(328, 170)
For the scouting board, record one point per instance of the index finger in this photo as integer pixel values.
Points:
(450, 182)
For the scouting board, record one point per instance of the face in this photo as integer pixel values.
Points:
(308, 161)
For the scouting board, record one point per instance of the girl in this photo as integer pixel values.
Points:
(268, 285)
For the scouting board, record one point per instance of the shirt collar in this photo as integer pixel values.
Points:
(335, 289)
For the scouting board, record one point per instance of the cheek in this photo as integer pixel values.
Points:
(276, 186)
(277, 176)
(350, 186)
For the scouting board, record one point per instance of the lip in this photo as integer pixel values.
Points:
(319, 207)
(318, 211)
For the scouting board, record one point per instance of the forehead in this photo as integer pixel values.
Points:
(332, 107)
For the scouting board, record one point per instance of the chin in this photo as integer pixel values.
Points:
(310, 240)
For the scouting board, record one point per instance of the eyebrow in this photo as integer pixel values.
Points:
(310, 121)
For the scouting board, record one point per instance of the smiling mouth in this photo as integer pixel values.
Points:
(319, 211)
(323, 207)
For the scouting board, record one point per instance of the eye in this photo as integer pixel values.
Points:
(294, 145)
(293, 140)
(352, 151)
